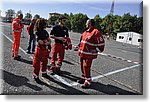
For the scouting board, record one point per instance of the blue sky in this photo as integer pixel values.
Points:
(101, 7)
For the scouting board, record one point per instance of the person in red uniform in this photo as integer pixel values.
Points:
(91, 43)
(41, 54)
(17, 29)
(59, 32)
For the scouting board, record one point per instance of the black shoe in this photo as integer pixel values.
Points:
(32, 52)
(81, 81)
(28, 52)
(57, 71)
(46, 76)
(38, 81)
(17, 58)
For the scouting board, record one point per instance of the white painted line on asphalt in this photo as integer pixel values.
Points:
(116, 71)
(61, 80)
(109, 73)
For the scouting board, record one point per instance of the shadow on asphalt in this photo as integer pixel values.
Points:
(65, 61)
(68, 75)
(25, 61)
(110, 89)
(17, 81)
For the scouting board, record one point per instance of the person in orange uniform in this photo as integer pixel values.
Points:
(59, 32)
(41, 54)
(17, 29)
(91, 43)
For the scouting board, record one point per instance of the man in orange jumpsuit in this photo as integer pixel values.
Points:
(91, 43)
(16, 29)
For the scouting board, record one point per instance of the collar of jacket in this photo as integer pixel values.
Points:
(90, 29)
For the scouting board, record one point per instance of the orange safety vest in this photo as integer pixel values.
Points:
(91, 43)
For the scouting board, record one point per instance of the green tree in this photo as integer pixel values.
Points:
(10, 14)
(98, 21)
(78, 22)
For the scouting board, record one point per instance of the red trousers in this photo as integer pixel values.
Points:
(40, 60)
(16, 44)
(85, 67)
(57, 49)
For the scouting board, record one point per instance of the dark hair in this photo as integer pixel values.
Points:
(40, 25)
(20, 15)
(92, 22)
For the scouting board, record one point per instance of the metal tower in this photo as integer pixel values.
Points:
(110, 20)
(112, 7)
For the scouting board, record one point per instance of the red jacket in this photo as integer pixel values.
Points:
(91, 43)
(17, 25)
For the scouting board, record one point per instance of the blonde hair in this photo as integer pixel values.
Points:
(40, 24)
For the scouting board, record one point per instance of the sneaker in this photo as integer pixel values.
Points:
(81, 81)
(46, 76)
(38, 80)
(86, 84)
(17, 58)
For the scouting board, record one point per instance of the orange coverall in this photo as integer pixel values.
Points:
(16, 29)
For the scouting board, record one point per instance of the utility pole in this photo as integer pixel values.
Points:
(110, 20)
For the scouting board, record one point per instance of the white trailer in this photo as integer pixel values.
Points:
(130, 38)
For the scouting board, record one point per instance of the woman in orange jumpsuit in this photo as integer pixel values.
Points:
(41, 54)
(17, 29)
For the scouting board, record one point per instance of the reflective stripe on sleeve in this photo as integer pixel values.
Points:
(88, 53)
(85, 42)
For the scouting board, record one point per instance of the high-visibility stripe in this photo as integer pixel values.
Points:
(92, 44)
(88, 53)
(98, 49)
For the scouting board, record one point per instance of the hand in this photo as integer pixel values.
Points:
(62, 39)
(47, 43)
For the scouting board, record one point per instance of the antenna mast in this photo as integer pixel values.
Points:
(110, 20)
